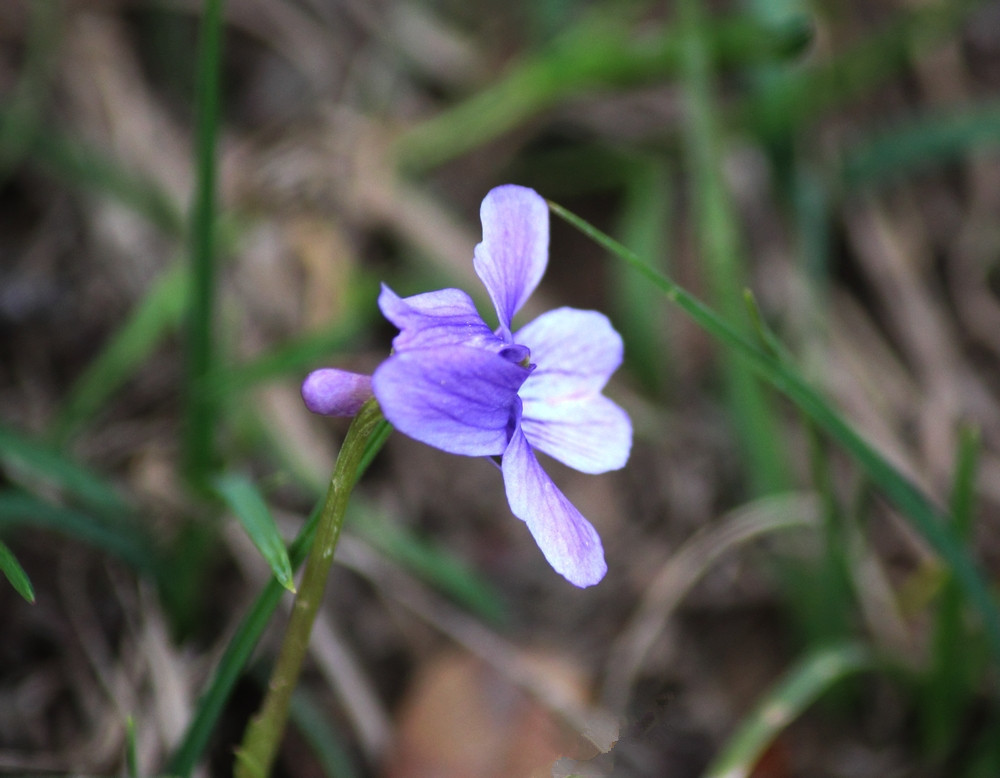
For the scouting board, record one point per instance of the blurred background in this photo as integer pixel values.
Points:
(766, 612)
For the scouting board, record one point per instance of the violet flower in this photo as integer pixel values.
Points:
(458, 385)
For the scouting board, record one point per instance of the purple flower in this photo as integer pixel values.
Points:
(458, 385)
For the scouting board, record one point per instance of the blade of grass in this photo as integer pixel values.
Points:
(793, 99)
(599, 51)
(75, 162)
(921, 143)
(18, 509)
(638, 314)
(719, 247)
(245, 639)
(953, 661)
(200, 411)
(808, 680)
(250, 507)
(15, 574)
(320, 732)
(160, 311)
(923, 515)
(52, 467)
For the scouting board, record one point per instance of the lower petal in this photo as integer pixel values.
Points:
(568, 541)
(590, 434)
(455, 398)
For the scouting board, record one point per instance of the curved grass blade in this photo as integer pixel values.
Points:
(801, 686)
(160, 311)
(41, 462)
(14, 573)
(244, 640)
(18, 509)
(929, 520)
(249, 506)
(922, 143)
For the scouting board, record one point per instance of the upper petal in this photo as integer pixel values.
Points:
(591, 434)
(576, 353)
(455, 398)
(442, 318)
(333, 392)
(568, 541)
(512, 257)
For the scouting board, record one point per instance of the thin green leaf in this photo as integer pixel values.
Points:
(925, 517)
(199, 443)
(158, 313)
(808, 680)
(131, 751)
(921, 143)
(249, 506)
(245, 639)
(320, 732)
(14, 573)
(720, 249)
(599, 51)
(40, 462)
(954, 660)
(429, 562)
(18, 509)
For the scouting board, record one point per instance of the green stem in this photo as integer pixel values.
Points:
(263, 735)
(200, 412)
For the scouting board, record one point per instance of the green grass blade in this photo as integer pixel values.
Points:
(429, 563)
(14, 573)
(249, 506)
(808, 680)
(199, 450)
(320, 732)
(953, 662)
(160, 312)
(44, 463)
(245, 639)
(131, 750)
(74, 162)
(600, 51)
(638, 313)
(924, 516)
(18, 509)
(720, 249)
(921, 143)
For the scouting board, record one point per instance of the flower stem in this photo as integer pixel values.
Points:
(263, 735)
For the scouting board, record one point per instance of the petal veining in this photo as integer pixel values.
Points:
(591, 434)
(576, 353)
(455, 398)
(447, 317)
(569, 542)
(514, 252)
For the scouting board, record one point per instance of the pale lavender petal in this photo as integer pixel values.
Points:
(591, 434)
(455, 398)
(576, 353)
(333, 392)
(568, 541)
(447, 317)
(515, 249)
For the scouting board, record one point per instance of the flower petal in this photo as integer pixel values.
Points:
(333, 392)
(515, 249)
(592, 435)
(576, 353)
(568, 541)
(455, 398)
(447, 317)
